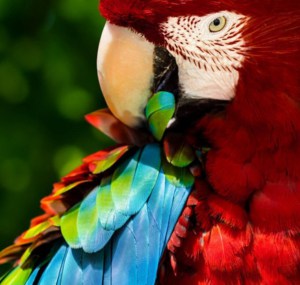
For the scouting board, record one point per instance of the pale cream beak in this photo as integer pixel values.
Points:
(125, 71)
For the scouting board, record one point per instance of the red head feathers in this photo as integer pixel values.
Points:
(145, 16)
(272, 40)
(258, 136)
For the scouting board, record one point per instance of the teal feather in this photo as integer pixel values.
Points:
(160, 100)
(110, 219)
(121, 182)
(91, 234)
(133, 181)
(145, 177)
(159, 111)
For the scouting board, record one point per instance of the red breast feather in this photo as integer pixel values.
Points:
(253, 164)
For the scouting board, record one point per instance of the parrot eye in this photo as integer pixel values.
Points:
(217, 24)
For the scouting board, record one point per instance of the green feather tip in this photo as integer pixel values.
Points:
(159, 111)
(178, 176)
(69, 227)
(17, 276)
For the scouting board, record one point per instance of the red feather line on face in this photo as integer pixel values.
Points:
(277, 34)
(221, 54)
(145, 16)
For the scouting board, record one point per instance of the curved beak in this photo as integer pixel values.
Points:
(126, 73)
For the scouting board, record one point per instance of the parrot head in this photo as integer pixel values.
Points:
(214, 55)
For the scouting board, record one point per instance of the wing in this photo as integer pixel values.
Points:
(108, 221)
(114, 235)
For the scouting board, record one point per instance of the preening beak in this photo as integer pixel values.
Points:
(126, 72)
(131, 70)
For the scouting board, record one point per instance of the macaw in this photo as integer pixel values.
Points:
(203, 186)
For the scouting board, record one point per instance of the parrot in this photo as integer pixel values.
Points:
(203, 183)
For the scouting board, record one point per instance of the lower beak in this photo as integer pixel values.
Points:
(126, 73)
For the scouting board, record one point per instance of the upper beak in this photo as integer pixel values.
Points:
(126, 72)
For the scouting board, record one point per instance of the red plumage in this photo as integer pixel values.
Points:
(243, 224)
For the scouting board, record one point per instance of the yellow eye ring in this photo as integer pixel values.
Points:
(217, 24)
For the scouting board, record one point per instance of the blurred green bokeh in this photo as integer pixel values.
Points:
(48, 82)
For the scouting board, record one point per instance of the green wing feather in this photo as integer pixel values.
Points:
(159, 111)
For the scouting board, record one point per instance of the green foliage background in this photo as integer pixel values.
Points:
(48, 82)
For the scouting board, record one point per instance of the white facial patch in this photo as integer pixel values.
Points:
(208, 62)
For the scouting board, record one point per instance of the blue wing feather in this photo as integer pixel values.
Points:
(167, 207)
(107, 280)
(133, 181)
(110, 218)
(124, 257)
(121, 183)
(145, 178)
(53, 270)
(72, 271)
(154, 248)
(155, 212)
(180, 197)
(141, 228)
(92, 236)
(130, 254)
(33, 276)
(93, 267)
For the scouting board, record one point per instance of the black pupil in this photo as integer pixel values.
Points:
(217, 22)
